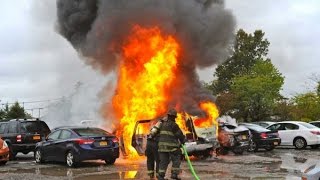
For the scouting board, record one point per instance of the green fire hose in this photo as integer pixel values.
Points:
(189, 163)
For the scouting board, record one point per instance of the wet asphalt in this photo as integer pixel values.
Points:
(281, 163)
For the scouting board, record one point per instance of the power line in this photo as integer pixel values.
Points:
(30, 102)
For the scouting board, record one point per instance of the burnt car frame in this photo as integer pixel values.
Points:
(200, 142)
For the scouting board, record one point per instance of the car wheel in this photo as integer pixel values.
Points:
(253, 147)
(70, 159)
(300, 143)
(110, 161)
(269, 148)
(38, 156)
(3, 163)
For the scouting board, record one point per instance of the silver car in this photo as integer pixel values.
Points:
(312, 172)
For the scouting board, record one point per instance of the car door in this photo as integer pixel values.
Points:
(139, 138)
(289, 133)
(48, 146)
(61, 145)
(281, 131)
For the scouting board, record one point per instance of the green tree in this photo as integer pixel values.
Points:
(247, 50)
(284, 110)
(225, 103)
(307, 107)
(16, 111)
(4, 112)
(257, 91)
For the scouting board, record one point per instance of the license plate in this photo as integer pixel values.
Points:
(36, 137)
(244, 137)
(275, 143)
(103, 143)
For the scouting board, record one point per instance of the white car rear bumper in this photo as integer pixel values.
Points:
(314, 140)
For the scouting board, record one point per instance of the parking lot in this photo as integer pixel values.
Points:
(281, 163)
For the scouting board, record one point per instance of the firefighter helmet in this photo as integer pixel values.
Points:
(172, 112)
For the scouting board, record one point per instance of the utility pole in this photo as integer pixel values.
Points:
(39, 111)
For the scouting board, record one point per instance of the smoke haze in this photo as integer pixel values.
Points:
(203, 28)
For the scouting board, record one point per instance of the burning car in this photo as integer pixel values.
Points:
(201, 142)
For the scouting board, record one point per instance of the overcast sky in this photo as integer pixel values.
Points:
(36, 63)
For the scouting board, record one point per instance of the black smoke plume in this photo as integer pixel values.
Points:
(204, 28)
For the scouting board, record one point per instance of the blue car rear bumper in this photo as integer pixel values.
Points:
(85, 152)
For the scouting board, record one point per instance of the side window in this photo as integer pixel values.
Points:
(275, 127)
(3, 127)
(13, 127)
(289, 126)
(65, 134)
(54, 135)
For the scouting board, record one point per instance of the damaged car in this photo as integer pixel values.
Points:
(200, 142)
(233, 138)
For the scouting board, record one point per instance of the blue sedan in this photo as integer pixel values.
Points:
(73, 145)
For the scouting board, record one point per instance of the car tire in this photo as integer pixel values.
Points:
(253, 147)
(300, 143)
(3, 163)
(110, 161)
(70, 159)
(38, 156)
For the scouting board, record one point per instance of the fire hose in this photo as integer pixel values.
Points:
(189, 163)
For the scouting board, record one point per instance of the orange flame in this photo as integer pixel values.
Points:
(212, 115)
(181, 121)
(145, 75)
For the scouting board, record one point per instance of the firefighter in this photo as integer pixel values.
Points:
(170, 140)
(152, 149)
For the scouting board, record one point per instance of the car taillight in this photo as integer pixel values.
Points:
(84, 141)
(315, 132)
(264, 135)
(19, 138)
(115, 140)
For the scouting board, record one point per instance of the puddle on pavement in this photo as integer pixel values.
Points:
(117, 175)
(80, 173)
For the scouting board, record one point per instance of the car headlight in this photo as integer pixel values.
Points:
(5, 145)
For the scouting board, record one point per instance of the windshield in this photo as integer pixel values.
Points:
(91, 132)
(34, 126)
(309, 126)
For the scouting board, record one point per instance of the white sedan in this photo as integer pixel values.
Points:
(298, 134)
